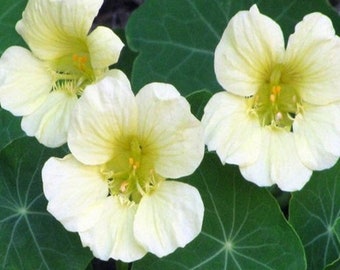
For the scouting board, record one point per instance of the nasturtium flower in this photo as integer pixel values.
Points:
(44, 83)
(279, 118)
(112, 188)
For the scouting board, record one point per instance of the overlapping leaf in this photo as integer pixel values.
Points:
(243, 227)
(315, 214)
(176, 39)
(30, 238)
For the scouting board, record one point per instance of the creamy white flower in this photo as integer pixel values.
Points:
(43, 84)
(112, 189)
(279, 118)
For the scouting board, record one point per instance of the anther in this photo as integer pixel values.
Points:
(276, 90)
(82, 59)
(75, 58)
(135, 165)
(123, 186)
(278, 117)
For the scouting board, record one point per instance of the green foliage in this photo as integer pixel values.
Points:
(30, 237)
(10, 13)
(315, 214)
(243, 227)
(9, 128)
(198, 100)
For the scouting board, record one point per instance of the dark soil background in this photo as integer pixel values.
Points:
(115, 13)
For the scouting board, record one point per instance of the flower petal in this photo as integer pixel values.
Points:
(317, 135)
(75, 193)
(313, 60)
(104, 47)
(169, 218)
(259, 172)
(251, 44)
(53, 29)
(50, 122)
(278, 162)
(231, 130)
(24, 81)
(170, 135)
(104, 117)
(112, 236)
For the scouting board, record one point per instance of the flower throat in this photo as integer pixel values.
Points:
(276, 103)
(138, 179)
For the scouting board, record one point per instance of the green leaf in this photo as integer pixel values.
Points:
(336, 229)
(10, 13)
(10, 129)
(314, 213)
(197, 101)
(334, 265)
(243, 227)
(30, 237)
(176, 39)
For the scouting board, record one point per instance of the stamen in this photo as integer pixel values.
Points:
(272, 98)
(137, 164)
(75, 58)
(124, 186)
(80, 61)
(276, 90)
(278, 117)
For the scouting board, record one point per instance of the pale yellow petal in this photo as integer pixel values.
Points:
(317, 135)
(112, 236)
(230, 130)
(50, 122)
(313, 60)
(55, 28)
(259, 171)
(171, 137)
(104, 120)
(250, 46)
(278, 162)
(168, 218)
(76, 193)
(24, 81)
(104, 47)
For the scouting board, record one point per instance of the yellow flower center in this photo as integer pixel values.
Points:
(131, 177)
(73, 73)
(276, 102)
